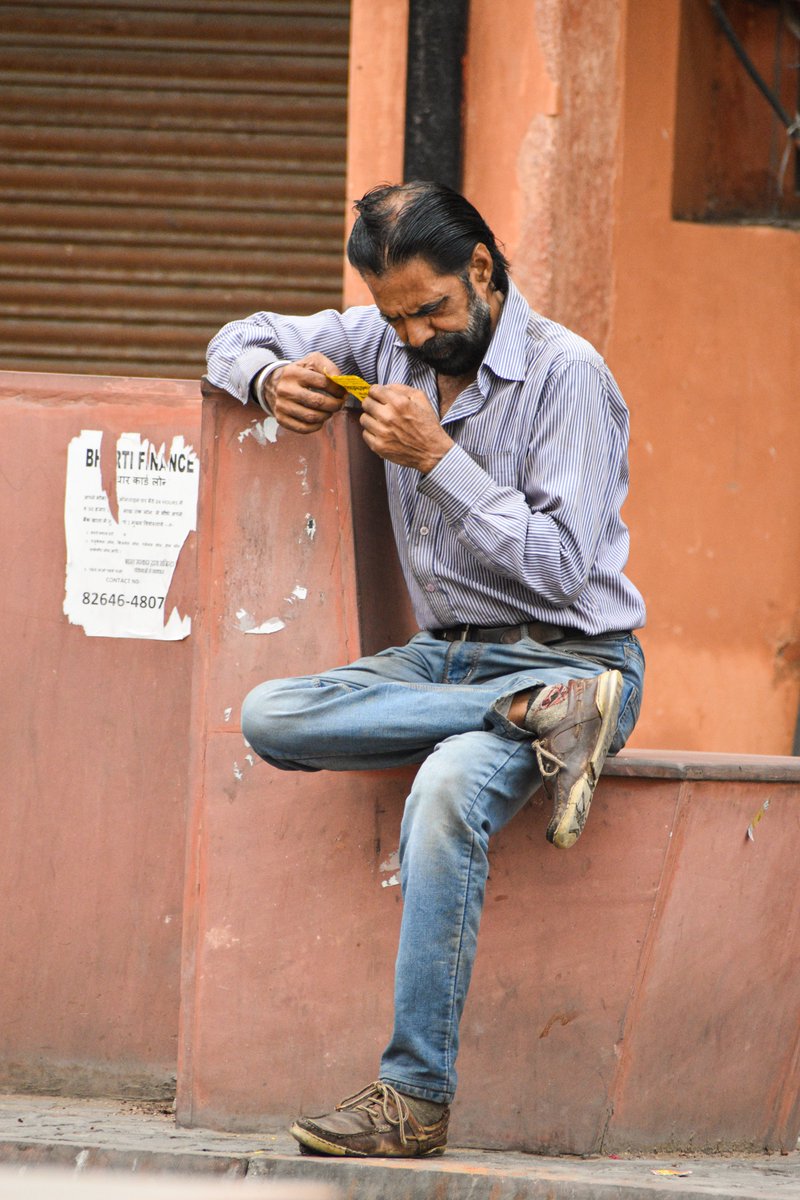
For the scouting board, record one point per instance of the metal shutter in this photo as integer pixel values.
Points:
(165, 167)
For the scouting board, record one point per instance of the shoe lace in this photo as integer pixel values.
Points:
(544, 757)
(378, 1099)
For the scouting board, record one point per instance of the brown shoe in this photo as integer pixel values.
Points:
(576, 722)
(376, 1122)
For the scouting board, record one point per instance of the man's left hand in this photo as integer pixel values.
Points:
(399, 424)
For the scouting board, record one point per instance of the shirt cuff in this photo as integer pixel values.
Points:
(245, 369)
(257, 384)
(456, 484)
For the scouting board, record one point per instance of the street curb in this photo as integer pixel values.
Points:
(460, 1175)
(84, 1157)
(545, 1179)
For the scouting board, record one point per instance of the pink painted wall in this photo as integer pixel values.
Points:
(93, 759)
(589, 985)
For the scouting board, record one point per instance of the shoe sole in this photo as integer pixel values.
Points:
(311, 1143)
(609, 695)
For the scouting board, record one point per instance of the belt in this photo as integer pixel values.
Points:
(539, 631)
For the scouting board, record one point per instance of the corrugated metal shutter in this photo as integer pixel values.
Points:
(165, 166)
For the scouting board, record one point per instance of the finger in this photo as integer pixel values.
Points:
(313, 398)
(316, 381)
(320, 362)
(302, 414)
(381, 393)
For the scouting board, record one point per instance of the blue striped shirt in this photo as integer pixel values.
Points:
(520, 521)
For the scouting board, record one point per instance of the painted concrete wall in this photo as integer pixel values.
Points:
(601, 973)
(93, 761)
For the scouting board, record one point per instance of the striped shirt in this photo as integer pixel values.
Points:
(520, 520)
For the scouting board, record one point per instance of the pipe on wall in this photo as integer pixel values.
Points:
(437, 35)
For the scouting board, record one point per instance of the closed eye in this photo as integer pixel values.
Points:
(426, 310)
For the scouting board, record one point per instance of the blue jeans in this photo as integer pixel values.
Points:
(443, 705)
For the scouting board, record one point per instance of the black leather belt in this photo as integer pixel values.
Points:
(539, 631)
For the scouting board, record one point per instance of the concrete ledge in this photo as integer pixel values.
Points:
(688, 764)
(50, 1132)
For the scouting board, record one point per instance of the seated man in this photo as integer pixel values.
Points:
(504, 438)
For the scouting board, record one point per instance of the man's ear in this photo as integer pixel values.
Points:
(481, 267)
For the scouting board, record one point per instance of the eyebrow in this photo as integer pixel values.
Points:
(424, 311)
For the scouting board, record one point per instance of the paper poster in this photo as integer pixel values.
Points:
(120, 564)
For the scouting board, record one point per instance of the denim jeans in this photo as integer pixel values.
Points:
(443, 705)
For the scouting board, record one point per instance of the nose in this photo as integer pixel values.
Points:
(417, 331)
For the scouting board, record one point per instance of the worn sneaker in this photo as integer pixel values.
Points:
(376, 1122)
(575, 722)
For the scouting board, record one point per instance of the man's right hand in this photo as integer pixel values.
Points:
(301, 397)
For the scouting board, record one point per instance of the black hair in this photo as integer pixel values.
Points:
(420, 219)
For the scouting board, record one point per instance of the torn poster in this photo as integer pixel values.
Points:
(120, 564)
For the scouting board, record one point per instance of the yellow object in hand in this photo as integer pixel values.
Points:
(353, 384)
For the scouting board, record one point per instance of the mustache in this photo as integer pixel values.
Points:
(440, 346)
(455, 352)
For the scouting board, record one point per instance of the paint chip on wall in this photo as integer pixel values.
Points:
(261, 431)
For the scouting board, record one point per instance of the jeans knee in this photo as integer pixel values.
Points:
(440, 810)
(266, 722)
(255, 719)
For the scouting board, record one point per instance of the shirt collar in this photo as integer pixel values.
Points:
(505, 357)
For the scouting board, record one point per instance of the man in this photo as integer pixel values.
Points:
(505, 443)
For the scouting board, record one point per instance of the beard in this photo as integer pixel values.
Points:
(461, 351)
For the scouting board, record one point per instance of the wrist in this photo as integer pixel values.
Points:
(259, 384)
(432, 458)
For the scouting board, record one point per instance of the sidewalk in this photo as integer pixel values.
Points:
(127, 1137)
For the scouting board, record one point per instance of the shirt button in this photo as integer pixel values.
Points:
(430, 587)
(423, 529)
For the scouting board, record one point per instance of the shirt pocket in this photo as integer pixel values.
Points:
(503, 466)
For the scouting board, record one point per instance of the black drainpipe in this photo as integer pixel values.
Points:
(437, 38)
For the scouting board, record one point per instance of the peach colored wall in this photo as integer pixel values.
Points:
(539, 147)
(704, 344)
(697, 324)
(376, 107)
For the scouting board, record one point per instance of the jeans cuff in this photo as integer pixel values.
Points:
(497, 717)
(419, 1093)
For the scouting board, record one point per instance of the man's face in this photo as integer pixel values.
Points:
(445, 322)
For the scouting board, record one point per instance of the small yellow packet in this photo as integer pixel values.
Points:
(353, 384)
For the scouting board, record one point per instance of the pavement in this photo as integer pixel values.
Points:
(59, 1147)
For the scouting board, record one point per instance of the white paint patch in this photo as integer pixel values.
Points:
(305, 486)
(311, 527)
(248, 758)
(221, 937)
(249, 624)
(298, 593)
(120, 564)
(392, 862)
(263, 431)
(238, 773)
(226, 716)
(81, 1159)
(273, 625)
(392, 881)
(246, 620)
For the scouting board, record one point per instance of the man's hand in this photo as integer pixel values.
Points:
(299, 395)
(399, 424)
